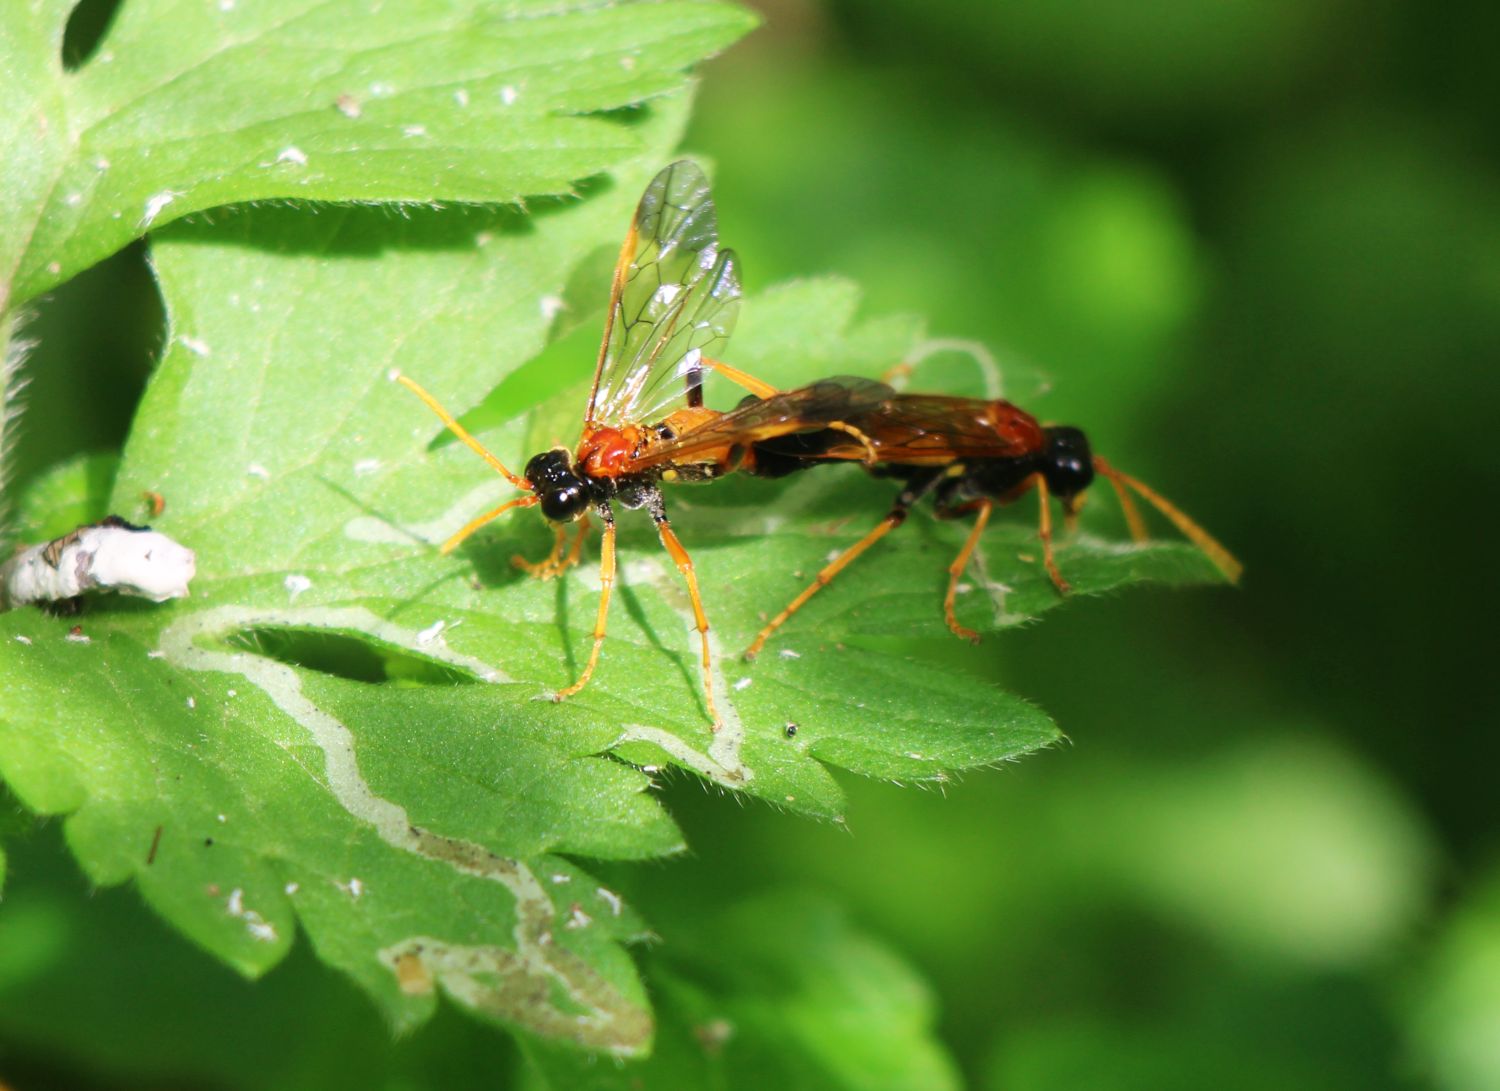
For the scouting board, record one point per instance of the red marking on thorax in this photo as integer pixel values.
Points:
(604, 451)
(1016, 427)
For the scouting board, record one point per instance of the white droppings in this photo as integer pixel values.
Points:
(233, 693)
(73, 200)
(291, 888)
(915, 756)
(561, 878)
(223, 818)
(461, 97)
(236, 903)
(255, 469)
(354, 887)
(155, 203)
(577, 918)
(551, 306)
(432, 632)
(787, 653)
(743, 683)
(963, 588)
(347, 105)
(382, 90)
(226, 5)
(192, 703)
(101, 164)
(509, 94)
(262, 930)
(295, 585)
(156, 653)
(367, 466)
(194, 345)
(611, 899)
(414, 130)
(292, 154)
(54, 267)
(76, 637)
(393, 374)
(22, 639)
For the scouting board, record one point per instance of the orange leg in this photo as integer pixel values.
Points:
(740, 378)
(606, 585)
(956, 569)
(1044, 495)
(684, 564)
(896, 517)
(556, 563)
(474, 524)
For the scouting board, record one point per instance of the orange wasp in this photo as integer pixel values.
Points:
(969, 454)
(673, 300)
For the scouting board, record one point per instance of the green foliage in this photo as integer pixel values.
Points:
(309, 100)
(339, 733)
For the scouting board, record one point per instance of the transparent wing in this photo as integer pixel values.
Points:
(929, 429)
(674, 299)
(806, 409)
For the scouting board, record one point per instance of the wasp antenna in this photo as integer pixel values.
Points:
(462, 433)
(1201, 538)
(1133, 518)
(474, 524)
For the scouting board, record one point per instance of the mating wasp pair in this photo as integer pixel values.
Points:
(673, 301)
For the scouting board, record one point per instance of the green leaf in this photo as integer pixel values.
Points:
(186, 106)
(302, 744)
(788, 994)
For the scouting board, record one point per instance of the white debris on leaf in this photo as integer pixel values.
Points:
(551, 306)
(743, 683)
(155, 203)
(292, 154)
(366, 466)
(111, 555)
(611, 899)
(194, 345)
(509, 94)
(787, 653)
(255, 469)
(295, 585)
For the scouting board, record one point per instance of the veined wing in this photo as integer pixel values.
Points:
(674, 298)
(808, 408)
(929, 429)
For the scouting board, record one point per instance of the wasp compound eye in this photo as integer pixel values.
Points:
(565, 503)
(1069, 464)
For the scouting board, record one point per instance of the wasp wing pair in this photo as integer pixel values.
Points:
(673, 301)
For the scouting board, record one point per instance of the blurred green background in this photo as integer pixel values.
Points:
(1255, 248)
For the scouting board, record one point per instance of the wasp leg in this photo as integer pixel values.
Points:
(956, 569)
(684, 564)
(1044, 495)
(740, 378)
(897, 515)
(556, 563)
(606, 585)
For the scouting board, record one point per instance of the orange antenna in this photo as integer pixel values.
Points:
(1201, 538)
(474, 524)
(462, 433)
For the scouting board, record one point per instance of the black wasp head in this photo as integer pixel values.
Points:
(1067, 463)
(564, 495)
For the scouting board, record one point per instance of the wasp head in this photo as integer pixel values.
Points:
(564, 495)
